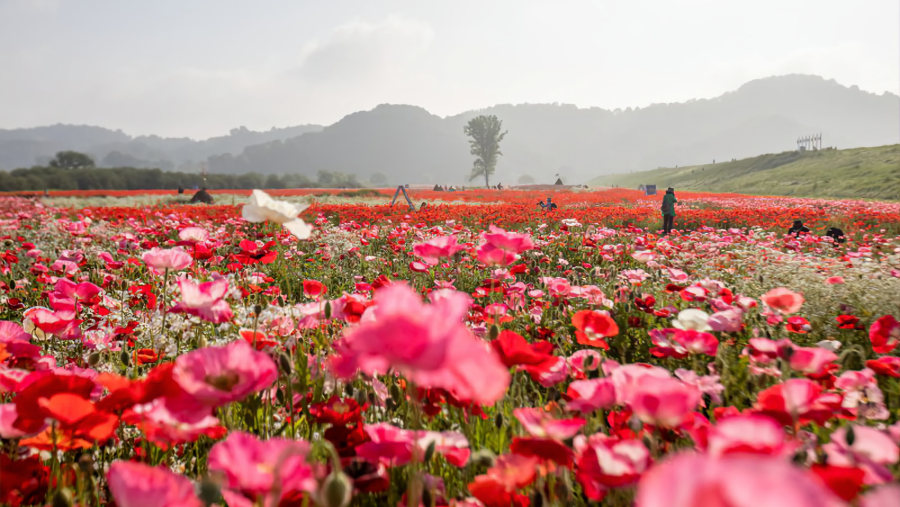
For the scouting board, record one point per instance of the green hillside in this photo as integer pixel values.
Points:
(871, 173)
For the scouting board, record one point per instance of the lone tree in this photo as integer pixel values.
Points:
(71, 160)
(484, 144)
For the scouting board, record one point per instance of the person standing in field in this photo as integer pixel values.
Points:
(668, 210)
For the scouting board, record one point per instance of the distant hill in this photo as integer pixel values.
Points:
(114, 148)
(393, 144)
(854, 173)
(408, 144)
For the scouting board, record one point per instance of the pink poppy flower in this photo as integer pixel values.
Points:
(663, 402)
(43, 321)
(811, 360)
(688, 479)
(8, 416)
(500, 247)
(12, 332)
(628, 377)
(882, 496)
(696, 342)
(862, 394)
(727, 321)
(163, 424)
(872, 450)
(204, 300)
(755, 434)
(193, 234)
(604, 463)
(254, 467)
(427, 343)
(435, 249)
(393, 446)
(706, 384)
(834, 280)
(219, 375)
(68, 289)
(134, 484)
(884, 334)
(174, 259)
(586, 396)
(783, 300)
(539, 423)
(797, 401)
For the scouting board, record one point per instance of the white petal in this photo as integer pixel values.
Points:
(298, 228)
(253, 213)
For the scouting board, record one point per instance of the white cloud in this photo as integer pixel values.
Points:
(365, 50)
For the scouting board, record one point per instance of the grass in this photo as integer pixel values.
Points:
(867, 173)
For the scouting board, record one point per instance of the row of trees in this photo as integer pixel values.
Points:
(76, 171)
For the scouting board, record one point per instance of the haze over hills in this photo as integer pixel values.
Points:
(407, 144)
(109, 148)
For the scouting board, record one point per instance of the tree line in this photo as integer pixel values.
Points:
(76, 171)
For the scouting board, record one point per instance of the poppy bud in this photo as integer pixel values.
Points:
(124, 357)
(429, 452)
(850, 436)
(483, 457)
(335, 491)
(63, 498)
(257, 309)
(209, 491)
(284, 363)
(93, 358)
(498, 420)
(494, 332)
(395, 393)
(85, 463)
(328, 310)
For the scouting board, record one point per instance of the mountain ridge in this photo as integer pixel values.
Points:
(398, 143)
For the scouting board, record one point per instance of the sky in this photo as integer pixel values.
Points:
(197, 68)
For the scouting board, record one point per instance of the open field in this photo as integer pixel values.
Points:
(872, 173)
(477, 351)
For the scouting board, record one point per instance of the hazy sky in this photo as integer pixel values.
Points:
(200, 67)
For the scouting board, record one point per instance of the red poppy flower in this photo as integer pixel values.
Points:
(885, 365)
(592, 326)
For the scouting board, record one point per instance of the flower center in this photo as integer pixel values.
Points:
(223, 382)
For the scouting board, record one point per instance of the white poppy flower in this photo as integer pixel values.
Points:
(262, 207)
(692, 318)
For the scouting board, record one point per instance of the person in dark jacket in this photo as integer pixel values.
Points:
(668, 210)
(836, 234)
(798, 228)
(202, 196)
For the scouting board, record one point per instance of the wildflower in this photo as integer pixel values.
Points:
(593, 326)
(689, 479)
(204, 300)
(783, 300)
(884, 334)
(219, 375)
(135, 484)
(174, 259)
(427, 343)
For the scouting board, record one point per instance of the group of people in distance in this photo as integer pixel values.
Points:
(835, 233)
(668, 213)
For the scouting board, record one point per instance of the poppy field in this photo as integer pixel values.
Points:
(476, 351)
